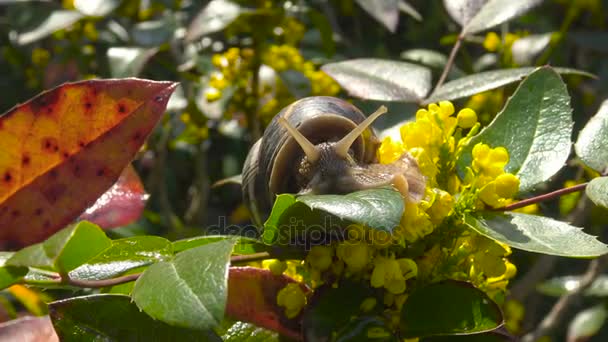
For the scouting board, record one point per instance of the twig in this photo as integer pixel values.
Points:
(95, 284)
(543, 197)
(450, 62)
(559, 310)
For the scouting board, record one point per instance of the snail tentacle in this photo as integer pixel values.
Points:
(343, 146)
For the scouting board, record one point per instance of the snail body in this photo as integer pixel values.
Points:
(321, 145)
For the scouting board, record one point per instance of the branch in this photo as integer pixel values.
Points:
(543, 197)
(557, 313)
(450, 62)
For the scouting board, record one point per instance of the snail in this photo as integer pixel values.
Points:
(321, 145)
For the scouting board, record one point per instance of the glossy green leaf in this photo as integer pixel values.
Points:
(123, 255)
(379, 209)
(331, 309)
(487, 80)
(563, 285)
(191, 290)
(591, 143)
(587, 323)
(64, 250)
(537, 234)
(385, 12)
(10, 275)
(448, 308)
(383, 80)
(55, 21)
(597, 190)
(114, 318)
(244, 245)
(214, 17)
(535, 126)
(496, 12)
(247, 332)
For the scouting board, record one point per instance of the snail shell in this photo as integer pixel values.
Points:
(321, 145)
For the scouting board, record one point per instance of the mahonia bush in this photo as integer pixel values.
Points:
(432, 243)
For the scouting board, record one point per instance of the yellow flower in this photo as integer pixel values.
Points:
(467, 118)
(320, 257)
(292, 298)
(356, 255)
(212, 94)
(277, 267)
(390, 150)
(489, 162)
(507, 185)
(491, 42)
(368, 304)
(441, 207)
(387, 273)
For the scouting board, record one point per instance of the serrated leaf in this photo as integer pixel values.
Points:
(106, 317)
(124, 255)
(56, 20)
(559, 286)
(52, 169)
(65, 250)
(379, 209)
(191, 290)
(383, 80)
(252, 294)
(537, 234)
(385, 12)
(214, 17)
(591, 143)
(449, 308)
(597, 190)
(10, 275)
(487, 80)
(535, 126)
(587, 323)
(496, 12)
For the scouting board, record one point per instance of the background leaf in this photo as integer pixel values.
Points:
(96, 8)
(559, 286)
(385, 12)
(591, 143)
(587, 323)
(190, 291)
(535, 126)
(125, 61)
(10, 275)
(383, 80)
(597, 190)
(462, 11)
(214, 17)
(57, 169)
(114, 318)
(56, 20)
(448, 308)
(537, 234)
(496, 12)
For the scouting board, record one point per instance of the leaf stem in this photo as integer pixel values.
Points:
(450, 62)
(543, 197)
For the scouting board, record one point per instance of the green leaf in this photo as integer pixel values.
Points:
(431, 58)
(525, 49)
(10, 275)
(114, 318)
(496, 12)
(559, 286)
(537, 234)
(247, 332)
(331, 309)
(189, 291)
(96, 8)
(587, 323)
(124, 255)
(385, 12)
(244, 245)
(56, 20)
(534, 126)
(216, 16)
(383, 80)
(64, 250)
(591, 143)
(128, 61)
(487, 80)
(597, 190)
(379, 209)
(447, 308)
(408, 9)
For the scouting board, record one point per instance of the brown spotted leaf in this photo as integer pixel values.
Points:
(121, 205)
(252, 297)
(64, 148)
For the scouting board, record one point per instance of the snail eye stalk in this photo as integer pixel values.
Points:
(341, 147)
(312, 153)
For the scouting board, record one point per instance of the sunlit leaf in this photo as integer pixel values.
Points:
(496, 12)
(385, 12)
(537, 234)
(535, 126)
(591, 143)
(96, 8)
(128, 61)
(191, 290)
(384, 80)
(525, 49)
(51, 169)
(247, 332)
(597, 190)
(587, 323)
(56, 20)
(214, 17)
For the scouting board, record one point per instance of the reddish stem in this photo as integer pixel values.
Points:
(543, 197)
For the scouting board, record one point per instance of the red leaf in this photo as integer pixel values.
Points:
(121, 205)
(252, 297)
(64, 148)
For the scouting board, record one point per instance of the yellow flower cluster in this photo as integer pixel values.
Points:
(233, 68)
(292, 298)
(487, 174)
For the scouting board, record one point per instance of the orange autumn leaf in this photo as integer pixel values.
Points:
(65, 147)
